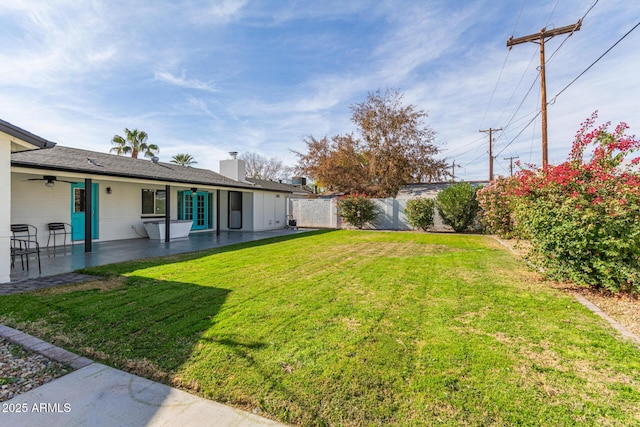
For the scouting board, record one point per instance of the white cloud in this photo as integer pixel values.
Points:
(216, 12)
(260, 76)
(183, 81)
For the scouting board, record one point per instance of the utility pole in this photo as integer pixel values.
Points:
(453, 172)
(490, 131)
(540, 38)
(511, 163)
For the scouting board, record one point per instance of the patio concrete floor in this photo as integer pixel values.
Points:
(71, 258)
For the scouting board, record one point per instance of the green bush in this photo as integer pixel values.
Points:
(357, 210)
(458, 206)
(420, 213)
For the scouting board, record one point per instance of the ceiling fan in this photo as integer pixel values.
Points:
(51, 180)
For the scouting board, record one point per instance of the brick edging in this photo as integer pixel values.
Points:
(626, 333)
(36, 345)
(614, 323)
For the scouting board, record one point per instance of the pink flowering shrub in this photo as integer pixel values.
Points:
(582, 216)
(497, 202)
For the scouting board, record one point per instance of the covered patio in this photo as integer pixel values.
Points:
(71, 258)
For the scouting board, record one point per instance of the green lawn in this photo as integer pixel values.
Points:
(352, 328)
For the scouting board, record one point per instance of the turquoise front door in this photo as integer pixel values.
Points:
(195, 207)
(78, 210)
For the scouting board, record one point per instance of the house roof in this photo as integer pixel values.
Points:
(24, 135)
(67, 159)
(278, 186)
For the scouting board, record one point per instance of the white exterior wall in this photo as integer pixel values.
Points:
(119, 213)
(5, 209)
(269, 210)
(34, 203)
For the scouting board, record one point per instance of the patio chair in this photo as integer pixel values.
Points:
(24, 243)
(59, 229)
(24, 232)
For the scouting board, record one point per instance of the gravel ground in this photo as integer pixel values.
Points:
(21, 371)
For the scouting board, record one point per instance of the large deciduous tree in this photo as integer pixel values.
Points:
(258, 166)
(133, 142)
(391, 147)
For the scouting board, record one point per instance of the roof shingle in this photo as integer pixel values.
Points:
(67, 159)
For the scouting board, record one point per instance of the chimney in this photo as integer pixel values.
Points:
(234, 168)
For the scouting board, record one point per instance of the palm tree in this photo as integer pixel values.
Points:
(133, 142)
(183, 159)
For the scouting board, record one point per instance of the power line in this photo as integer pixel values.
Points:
(594, 63)
(533, 134)
(490, 132)
(502, 70)
(503, 65)
(502, 166)
(537, 75)
(517, 86)
(570, 34)
(511, 159)
(541, 38)
(522, 102)
(502, 137)
(495, 88)
(520, 133)
(555, 6)
(518, 18)
(457, 149)
(474, 160)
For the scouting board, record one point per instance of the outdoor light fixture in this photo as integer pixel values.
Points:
(50, 183)
(194, 190)
(109, 190)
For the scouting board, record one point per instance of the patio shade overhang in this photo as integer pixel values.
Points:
(79, 163)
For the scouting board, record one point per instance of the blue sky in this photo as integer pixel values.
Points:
(209, 77)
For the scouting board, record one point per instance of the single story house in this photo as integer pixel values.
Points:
(108, 197)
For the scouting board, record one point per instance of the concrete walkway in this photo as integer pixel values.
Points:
(29, 285)
(71, 258)
(97, 395)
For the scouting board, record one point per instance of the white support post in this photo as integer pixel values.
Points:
(5, 210)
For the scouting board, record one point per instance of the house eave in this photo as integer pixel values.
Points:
(24, 136)
(26, 166)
